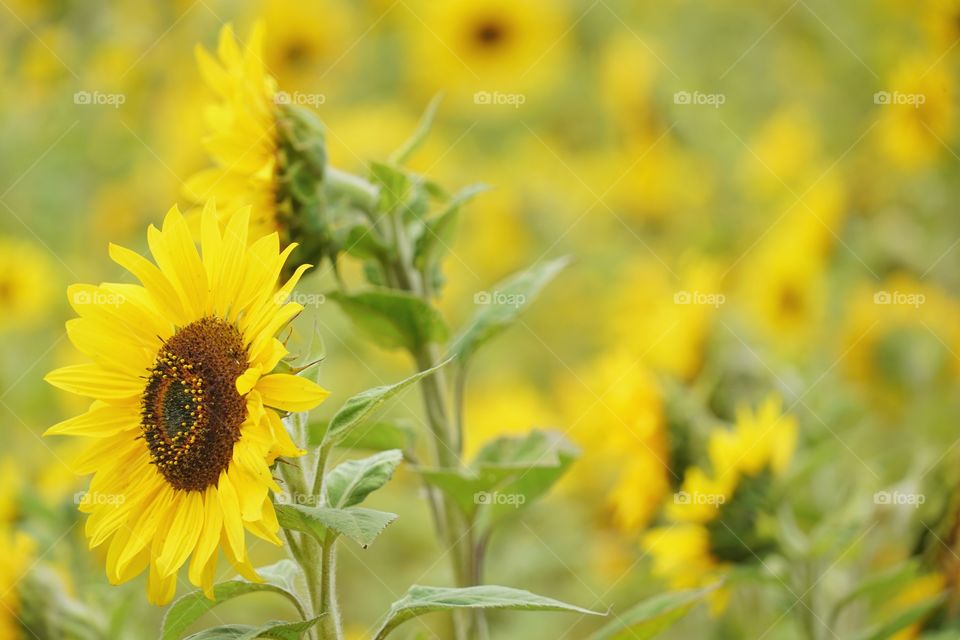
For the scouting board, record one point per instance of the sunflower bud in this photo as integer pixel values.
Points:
(301, 203)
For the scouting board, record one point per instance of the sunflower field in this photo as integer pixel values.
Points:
(479, 319)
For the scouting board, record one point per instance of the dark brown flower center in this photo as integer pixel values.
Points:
(190, 410)
(489, 33)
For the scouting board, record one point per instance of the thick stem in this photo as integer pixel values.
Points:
(401, 273)
(340, 185)
(328, 592)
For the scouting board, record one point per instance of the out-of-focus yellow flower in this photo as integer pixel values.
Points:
(648, 179)
(916, 591)
(711, 522)
(688, 507)
(502, 407)
(26, 284)
(899, 335)
(764, 439)
(783, 151)
(616, 415)
(42, 63)
(487, 54)
(781, 280)
(665, 321)
(941, 21)
(915, 112)
(681, 553)
(628, 71)
(11, 479)
(243, 140)
(17, 557)
(308, 41)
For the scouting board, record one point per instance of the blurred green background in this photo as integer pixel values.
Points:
(758, 196)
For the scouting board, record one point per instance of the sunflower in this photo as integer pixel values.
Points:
(782, 281)
(899, 337)
(711, 523)
(783, 154)
(186, 416)
(666, 322)
(25, 284)
(308, 40)
(243, 140)
(915, 112)
(493, 46)
(618, 417)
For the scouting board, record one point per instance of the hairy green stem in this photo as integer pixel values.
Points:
(340, 185)
(328, 591)
(401, 273)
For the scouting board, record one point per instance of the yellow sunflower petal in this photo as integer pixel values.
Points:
(290, 393)
(248, 379)
(232, 520)
(183, 533)
(93, 381)
(205, 553)
(100, 421)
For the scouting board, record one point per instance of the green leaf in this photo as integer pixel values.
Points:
(501, 306)
(359, 408)
(278, 630)
(403, 154)
(438, 233)
(381, 435)
(377, 436)
(536, 460)
(352, 481)
(360, 525)
(393, 182)
(187, 609)
(902, 620)
(360, 241)
(284, 574)
(507, 475)
(420, 600)
(392, 319)
(652, 616)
